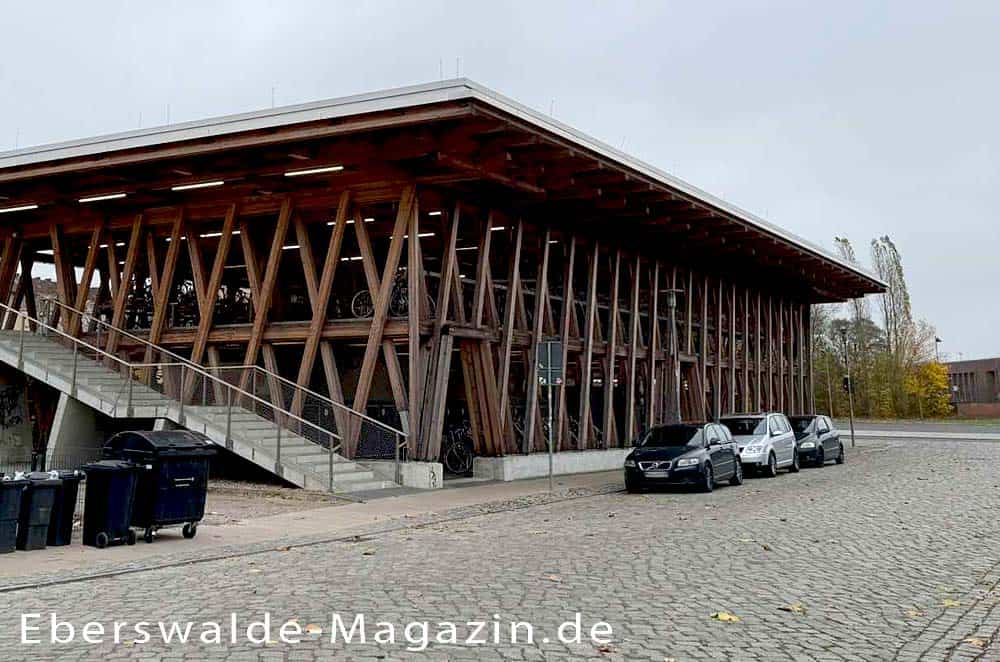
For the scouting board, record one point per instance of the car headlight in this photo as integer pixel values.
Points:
(630, 463)
(687, 462)
(807, 444)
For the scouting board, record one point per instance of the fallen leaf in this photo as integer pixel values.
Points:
(794, 608)
(947, 602)
(978, 642)
(726, 617)
(605, 649)
(765, 547)
(368, 552)
(312, 628)
(554, 578)
(914, 613)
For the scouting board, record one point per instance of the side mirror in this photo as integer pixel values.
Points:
(714, 442)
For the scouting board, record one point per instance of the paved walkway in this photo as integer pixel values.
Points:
(892, 556)
(77, 560)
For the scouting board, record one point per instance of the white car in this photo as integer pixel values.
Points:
(766, 441)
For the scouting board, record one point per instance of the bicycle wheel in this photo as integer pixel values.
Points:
(362, 304)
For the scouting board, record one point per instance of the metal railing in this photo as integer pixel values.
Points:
(191, 385)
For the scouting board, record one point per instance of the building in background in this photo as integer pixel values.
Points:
(974, 387)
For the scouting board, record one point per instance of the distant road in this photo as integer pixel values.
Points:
(985, 431)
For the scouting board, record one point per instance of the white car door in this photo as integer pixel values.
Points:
(788, 437)
(775, 431)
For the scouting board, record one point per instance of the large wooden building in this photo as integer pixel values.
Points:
(404, 252)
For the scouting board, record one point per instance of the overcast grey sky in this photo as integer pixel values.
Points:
(854, 118)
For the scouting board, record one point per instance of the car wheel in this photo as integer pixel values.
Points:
(737, 478)
(841, 458)
(632, 486)
(820, 458)
(708, 479)
(795, 462)
(771, 470)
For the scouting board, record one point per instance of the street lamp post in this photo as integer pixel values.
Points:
(850, 382)
(937, 357)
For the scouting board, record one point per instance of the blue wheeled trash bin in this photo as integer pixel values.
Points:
(36, 510)
(107, 508)
(172, 491)
(11, 491)
(64, 507)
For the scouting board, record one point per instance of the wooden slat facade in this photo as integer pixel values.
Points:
(475, 235)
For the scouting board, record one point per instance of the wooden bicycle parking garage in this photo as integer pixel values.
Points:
(404, 252)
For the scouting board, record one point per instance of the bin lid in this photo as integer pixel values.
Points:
(43, 478)
(66, 474)
(174, 443)
(111, 465)
(9, 482)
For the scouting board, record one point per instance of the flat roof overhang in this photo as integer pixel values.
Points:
(455, 136)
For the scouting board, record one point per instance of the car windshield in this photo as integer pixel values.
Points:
(801, 423)
(672, 436)
(745, 426)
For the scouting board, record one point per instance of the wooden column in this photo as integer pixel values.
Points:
(380, 301)
(415, 293)
(207, 303)
(732, 348)
(653, 347)
(439, 368)
(125, 283)
(507, 331)
(771, 400)
(630, 418)
(586, 362)
(538, 329)
(610, 433)
(703, 358)
(562, 422)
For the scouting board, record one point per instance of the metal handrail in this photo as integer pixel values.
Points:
(184, 365)
(187, 365)
(263, 371)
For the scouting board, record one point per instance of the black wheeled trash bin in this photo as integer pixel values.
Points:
(36, 510)
(64, 507)
(172, 492)
(11, 490)
(107, 507)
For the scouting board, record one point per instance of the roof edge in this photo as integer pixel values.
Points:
(398, 99)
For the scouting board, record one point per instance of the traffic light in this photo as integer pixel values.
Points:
(848, 386)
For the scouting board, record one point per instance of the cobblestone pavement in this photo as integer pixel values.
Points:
(891, 556)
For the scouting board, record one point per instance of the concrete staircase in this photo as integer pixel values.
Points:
(302, 462)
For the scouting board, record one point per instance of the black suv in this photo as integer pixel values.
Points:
(699, 454)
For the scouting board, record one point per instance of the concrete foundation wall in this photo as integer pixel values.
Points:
(517, 467)
(75, 433)
(422, 475)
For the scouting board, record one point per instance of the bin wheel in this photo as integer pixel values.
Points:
(101, 540)
(130, 537)
(148, 535)
(190, 530)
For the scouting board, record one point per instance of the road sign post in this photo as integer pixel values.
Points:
(550, 375)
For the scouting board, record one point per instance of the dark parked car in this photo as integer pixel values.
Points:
(817, 440)
(698, 454)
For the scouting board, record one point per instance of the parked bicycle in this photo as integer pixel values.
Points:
(363, 306)
(457, 446)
